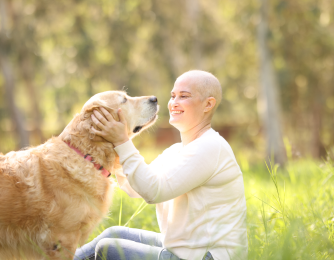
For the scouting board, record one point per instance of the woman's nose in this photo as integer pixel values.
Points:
(174, 101)
(174, 104)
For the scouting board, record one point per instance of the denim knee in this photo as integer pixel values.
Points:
(120, 249)
(116, 231)
(167, 255)
(101, 249)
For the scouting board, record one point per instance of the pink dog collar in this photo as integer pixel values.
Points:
(90, 158)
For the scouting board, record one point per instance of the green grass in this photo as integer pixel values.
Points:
(290, 212)
(130, 212)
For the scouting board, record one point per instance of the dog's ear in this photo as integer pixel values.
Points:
(82, 122)
(85, 116)
(96, 105)
(88, 112)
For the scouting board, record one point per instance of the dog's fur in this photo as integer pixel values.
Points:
(50, 197)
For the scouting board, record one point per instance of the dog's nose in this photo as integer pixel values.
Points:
(153, 99)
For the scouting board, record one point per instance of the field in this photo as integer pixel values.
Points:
(290, 211)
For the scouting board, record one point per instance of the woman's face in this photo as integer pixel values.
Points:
(186, 109)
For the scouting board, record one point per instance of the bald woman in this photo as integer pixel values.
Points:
(197, 185)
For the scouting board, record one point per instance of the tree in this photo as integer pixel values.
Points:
(269, 102)
(7, 71)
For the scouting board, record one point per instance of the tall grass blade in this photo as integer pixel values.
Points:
(139, 209)
(120, 211)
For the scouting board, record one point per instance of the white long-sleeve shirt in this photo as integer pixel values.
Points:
(199, 192)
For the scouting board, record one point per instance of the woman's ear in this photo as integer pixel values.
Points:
(210, 104)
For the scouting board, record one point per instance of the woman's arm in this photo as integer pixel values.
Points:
(170, 175)
(125, 186)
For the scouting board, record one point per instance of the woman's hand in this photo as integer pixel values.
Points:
(111, 130)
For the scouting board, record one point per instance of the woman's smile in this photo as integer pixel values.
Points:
(176, 112)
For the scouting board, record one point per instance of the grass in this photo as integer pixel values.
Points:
(290, 212)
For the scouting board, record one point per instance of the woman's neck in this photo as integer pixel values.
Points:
(195, 132)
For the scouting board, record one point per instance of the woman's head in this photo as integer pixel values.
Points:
(194, 98)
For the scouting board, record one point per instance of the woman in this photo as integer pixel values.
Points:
(197, 184)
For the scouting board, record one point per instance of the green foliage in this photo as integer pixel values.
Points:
(290, 212)
(66, 51)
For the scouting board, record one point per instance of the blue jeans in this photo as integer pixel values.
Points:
(122, 243)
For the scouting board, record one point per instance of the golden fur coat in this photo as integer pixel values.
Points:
(51, 198)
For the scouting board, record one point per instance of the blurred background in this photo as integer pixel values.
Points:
(274, 59)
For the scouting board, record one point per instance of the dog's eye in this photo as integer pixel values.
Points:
(124, 100)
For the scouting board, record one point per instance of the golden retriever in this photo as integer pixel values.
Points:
(51, 198)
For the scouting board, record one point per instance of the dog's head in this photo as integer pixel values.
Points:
(139, 112)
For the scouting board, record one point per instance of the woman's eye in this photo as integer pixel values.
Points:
(173, 97)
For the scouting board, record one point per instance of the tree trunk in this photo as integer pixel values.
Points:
(16, 117)
(193, 9)
(317, 148)
(268, 101)
(166, 47)
(27, 74)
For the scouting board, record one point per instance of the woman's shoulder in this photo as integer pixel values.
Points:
(224, 146)
(173, 148)
(208, 143)
(211, 142)
(210, 138)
